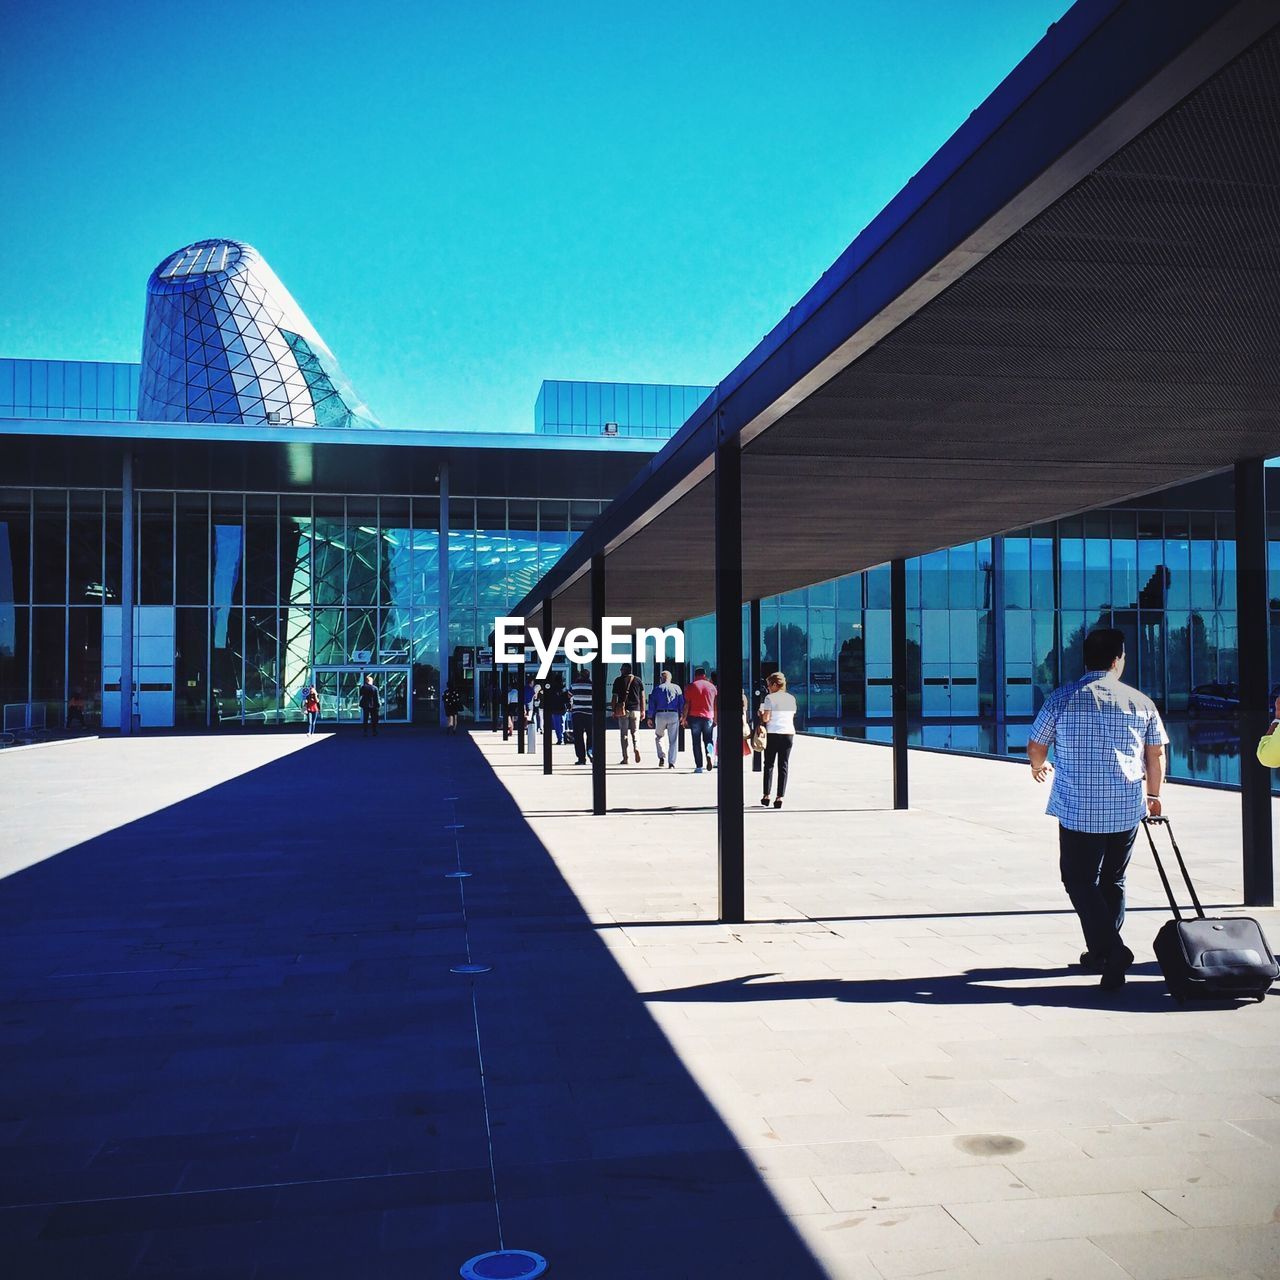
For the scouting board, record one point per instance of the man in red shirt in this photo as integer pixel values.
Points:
(700, 716)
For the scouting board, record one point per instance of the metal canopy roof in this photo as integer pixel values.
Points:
(1076, 302)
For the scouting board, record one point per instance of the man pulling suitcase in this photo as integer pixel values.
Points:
(1109, 753)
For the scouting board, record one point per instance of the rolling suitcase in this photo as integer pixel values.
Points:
(1206, 958)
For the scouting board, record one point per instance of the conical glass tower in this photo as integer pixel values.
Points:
(224, 341)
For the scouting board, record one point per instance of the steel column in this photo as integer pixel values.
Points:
(442, 586)
(754, 677)
(128, 561)
(728, 551)
(599, 752)
(548, 738)
(521, 712)
(1000, 676)
(1253, 631)
(684, 684)
(898, 606)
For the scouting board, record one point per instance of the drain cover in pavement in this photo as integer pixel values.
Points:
(505, 1264)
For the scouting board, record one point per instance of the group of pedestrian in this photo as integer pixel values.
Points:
(1107, 737)
(370, 700)
(668, 708)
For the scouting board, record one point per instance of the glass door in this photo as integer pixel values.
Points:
(393, 685)
(339, 689)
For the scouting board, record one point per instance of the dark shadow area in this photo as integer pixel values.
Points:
(231, 1046)
(973, 987)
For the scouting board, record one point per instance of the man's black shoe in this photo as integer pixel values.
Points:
(1091, 963)
(1114, 970)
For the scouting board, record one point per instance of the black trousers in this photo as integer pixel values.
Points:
(1093, 867)
(777, 747)
(369, 716)
(581, 735)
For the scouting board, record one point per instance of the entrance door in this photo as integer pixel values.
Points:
(339, 689)
(153, 656)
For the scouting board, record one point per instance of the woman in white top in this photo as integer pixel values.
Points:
(778, 715)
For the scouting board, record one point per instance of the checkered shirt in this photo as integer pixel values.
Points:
(1098, 728)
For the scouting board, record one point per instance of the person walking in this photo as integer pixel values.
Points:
(530, 702)
(555, 701)
(75, 710)
(452, 707)
(538, 703)
(777, 713)
(628, 708)
(513, 709)
(1108, 743)
(1269, 744)
(700, 717)
(580, 716)
(666, 706)
(311, 705)
(370, 706)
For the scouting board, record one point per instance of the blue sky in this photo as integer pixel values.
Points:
(468, 198)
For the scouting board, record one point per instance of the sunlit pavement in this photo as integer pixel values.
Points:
(231, 1043)
(898, 1042)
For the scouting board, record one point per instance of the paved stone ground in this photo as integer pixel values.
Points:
(230, 1043)
(898, 1043)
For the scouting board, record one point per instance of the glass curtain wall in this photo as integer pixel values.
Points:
(1166, 579)
(79, 389)
(262, 589)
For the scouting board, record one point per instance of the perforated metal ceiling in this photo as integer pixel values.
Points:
(1125, 339)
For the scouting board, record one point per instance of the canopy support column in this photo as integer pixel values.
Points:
(728, 544)
(898, 627)
(599, 751)
(754, 678)
(1000, 682)
(548, 737)
(1254, 644)
(522, 711)
(128, 559)
(682, 672)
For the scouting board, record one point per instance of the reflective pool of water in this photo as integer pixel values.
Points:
(1199, 750)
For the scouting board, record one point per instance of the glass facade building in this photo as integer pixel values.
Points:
(259, 568)
(994, 626)
(80, 389)
(641, 409)
(246, 591)
(243, 599)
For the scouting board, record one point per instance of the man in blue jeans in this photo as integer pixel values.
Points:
(1108, 745)
(700, 716)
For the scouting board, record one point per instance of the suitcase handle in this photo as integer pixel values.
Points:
(1147, 824)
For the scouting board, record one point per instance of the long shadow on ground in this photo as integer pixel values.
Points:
(1004, 986)
(231, 1046)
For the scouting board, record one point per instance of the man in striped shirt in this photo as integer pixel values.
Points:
(580, 713)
